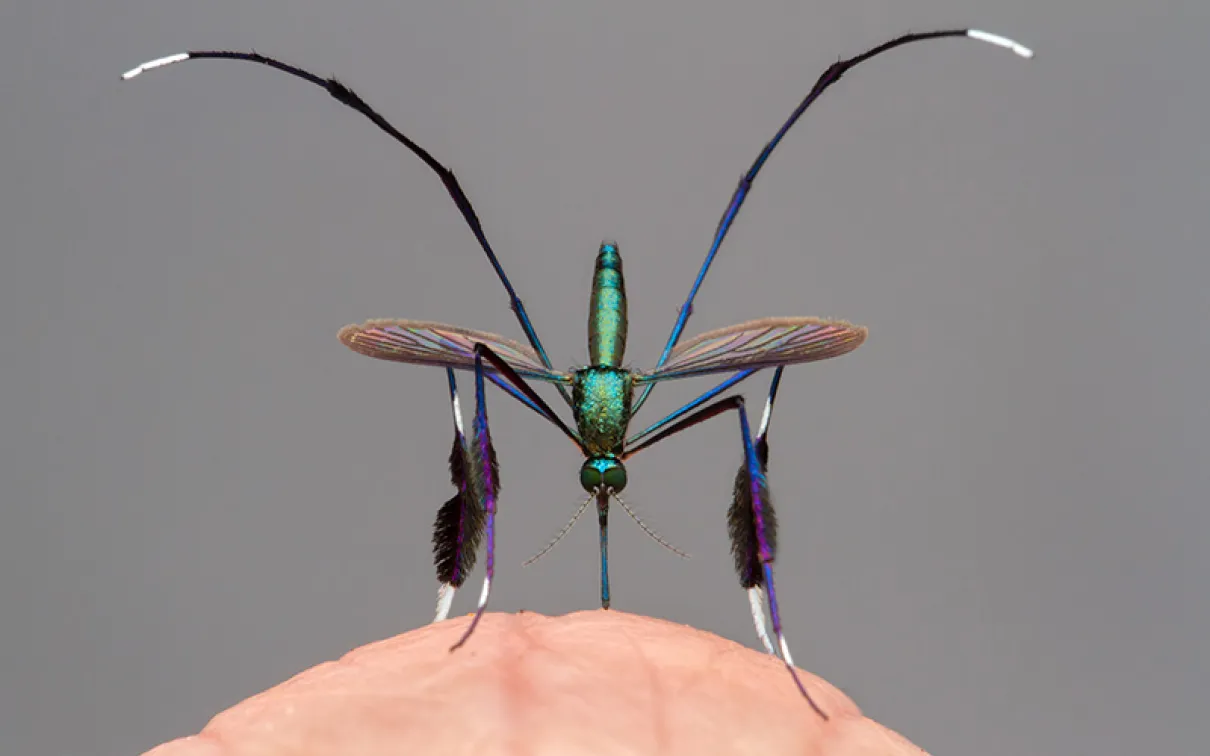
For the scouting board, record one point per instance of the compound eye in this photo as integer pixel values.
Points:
(615, 478)
(590, 478)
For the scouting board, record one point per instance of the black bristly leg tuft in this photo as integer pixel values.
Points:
(456, 517)
(741, 520)
(458, 529)
(741, 523)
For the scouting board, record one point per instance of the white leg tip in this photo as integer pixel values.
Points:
(458, 415)
(167, 60)
(785, 650)
(445, 598)
(487, 588)
(998, 41)
(756, 600)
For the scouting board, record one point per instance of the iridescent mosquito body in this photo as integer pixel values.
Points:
(604, 396)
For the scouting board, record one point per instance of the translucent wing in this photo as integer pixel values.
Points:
(421, 343)
(759, 344)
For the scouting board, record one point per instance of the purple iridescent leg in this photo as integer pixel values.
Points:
(484, 487)
(764, 526)
(751, 520)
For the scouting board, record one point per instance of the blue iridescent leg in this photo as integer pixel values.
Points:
(764, 528)
(483, 473)
(514, 392)
(751, 519)
(348, 97)
(688, 407)
(483, 479)
(756, 598)
(826, 79)
(523, 391)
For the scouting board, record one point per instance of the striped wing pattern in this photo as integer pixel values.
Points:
(759, 344)
(422, 343)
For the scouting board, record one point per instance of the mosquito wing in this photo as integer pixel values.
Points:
(420, 343)
(757, 344)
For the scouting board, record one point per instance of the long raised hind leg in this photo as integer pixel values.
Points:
(351, 99)
(825, 80)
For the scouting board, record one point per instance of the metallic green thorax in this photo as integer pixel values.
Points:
(607, 310)
(601, 397)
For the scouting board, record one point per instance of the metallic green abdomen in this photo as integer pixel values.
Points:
(601, 396)
(607, 310)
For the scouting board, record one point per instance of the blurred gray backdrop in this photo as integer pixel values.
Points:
(993, 514)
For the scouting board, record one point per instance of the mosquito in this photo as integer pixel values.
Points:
(604, 396)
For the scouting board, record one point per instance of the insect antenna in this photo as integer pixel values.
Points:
(650, 533)
(563, 532)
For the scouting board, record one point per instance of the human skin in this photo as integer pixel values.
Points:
(594, 682)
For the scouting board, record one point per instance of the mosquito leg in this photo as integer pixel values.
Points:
(825, 80)
(751, 521)
(701, 416)
(351, 99)
(763, 432)
(445, 600)
(764, 526)
(458, 529)
(448, 529)
(484, 484)
(736, 517)
(689, 406)
(515, 393)
(526, 391)
(483, 474)
(756, 600)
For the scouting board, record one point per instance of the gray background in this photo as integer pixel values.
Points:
(993, 513)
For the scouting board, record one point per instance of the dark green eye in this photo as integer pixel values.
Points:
(590, 477)
(615, 477)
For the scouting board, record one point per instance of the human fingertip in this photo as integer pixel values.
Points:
(193, 745)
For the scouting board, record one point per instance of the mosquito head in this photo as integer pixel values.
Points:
(603, 472)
